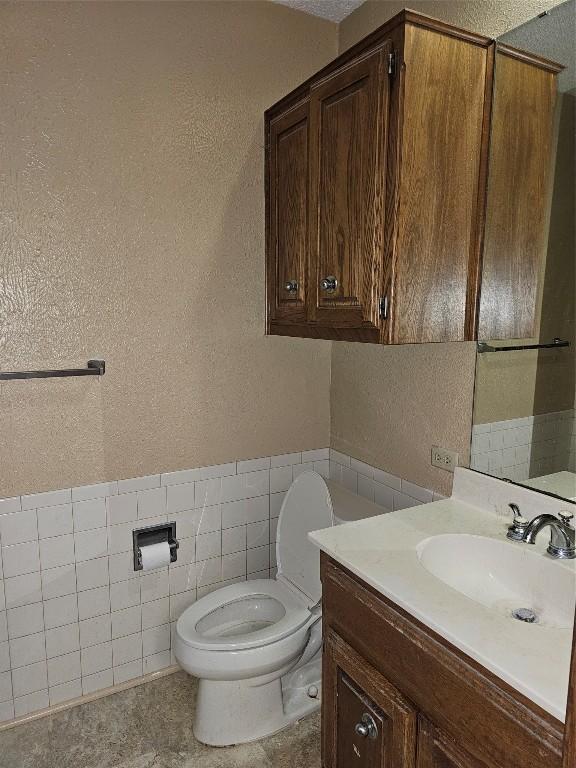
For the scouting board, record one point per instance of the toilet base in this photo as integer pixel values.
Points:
(237, 712)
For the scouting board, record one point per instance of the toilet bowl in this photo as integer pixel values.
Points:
(256, 645)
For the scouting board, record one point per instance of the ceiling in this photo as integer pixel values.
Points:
(334, 10)
(553, 37)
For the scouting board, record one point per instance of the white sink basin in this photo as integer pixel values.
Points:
(503, 576)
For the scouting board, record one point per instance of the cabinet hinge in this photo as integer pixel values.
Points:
(383, 307)
(392, 64)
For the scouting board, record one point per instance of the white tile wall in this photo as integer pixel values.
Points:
(518, 449)
(391, 492)
(74, 615)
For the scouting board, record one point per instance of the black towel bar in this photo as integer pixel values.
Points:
(94, 368)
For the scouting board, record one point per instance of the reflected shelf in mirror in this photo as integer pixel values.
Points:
(524, 427)
(557, 343)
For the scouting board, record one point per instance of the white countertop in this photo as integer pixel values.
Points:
(561, 483)
(381, 551)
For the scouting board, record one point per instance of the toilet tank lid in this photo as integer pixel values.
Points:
(312, 503)
(348, 506)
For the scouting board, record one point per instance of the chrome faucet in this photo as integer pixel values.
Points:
(562, 534)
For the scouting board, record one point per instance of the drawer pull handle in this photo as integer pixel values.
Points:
(291, 286)
(367, 727)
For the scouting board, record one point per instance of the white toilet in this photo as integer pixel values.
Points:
(256, 645)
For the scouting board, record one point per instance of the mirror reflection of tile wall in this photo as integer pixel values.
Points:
(524, 407)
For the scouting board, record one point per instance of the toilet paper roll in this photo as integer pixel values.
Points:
(155, 555)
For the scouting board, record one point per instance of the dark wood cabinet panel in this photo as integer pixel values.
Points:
(348, 121)
(287, 215)
(446, 90)
(436, 750)
(351, 689)
(519, 180)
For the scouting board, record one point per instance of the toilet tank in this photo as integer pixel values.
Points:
(348, 506)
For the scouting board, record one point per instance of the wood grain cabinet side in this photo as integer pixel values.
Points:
(437, 224)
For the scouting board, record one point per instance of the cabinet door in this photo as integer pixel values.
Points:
(436, 750)
(366, 722)
(287, 215)
(348, 136)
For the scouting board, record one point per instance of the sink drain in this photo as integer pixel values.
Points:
(525, 614)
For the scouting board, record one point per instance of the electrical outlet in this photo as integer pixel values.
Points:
(444, 459)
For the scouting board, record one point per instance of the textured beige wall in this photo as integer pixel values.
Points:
(505, 384)
(389, 406)
(132, 227)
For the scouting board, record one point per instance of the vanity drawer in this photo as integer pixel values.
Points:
(489, 719)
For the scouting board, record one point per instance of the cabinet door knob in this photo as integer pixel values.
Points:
(367, 727)
(329, 283)
(291, 286)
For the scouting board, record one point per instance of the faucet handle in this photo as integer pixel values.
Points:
(519, 524)
(566, 517)
(518, 517)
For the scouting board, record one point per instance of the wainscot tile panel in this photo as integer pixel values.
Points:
(76, 618)
(388, 491)
(74, 615)
(531, 446)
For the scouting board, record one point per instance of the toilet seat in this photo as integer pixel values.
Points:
(225, 620)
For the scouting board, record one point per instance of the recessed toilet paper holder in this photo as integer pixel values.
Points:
(154, 534)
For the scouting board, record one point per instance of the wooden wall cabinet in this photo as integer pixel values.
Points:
(431, 705)
(375, 182)
(376, 171)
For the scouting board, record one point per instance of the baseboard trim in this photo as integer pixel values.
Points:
(89, 697)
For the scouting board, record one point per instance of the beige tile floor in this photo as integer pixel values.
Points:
(148, 727)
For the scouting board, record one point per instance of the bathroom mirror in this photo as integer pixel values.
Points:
(524, 405)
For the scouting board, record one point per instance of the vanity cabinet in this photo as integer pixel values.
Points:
(375, 174)
(396, 695)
